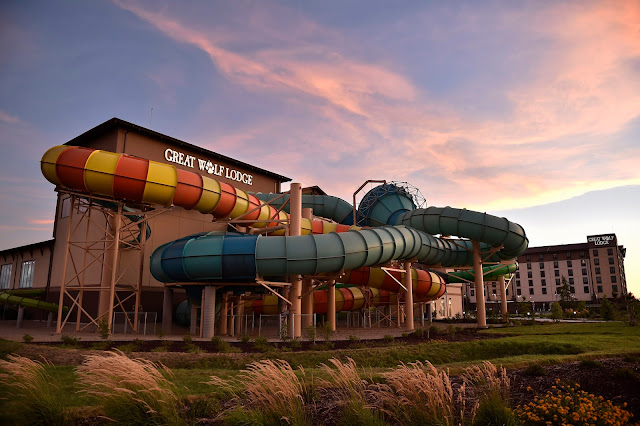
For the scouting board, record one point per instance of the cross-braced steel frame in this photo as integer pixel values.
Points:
(124, 229)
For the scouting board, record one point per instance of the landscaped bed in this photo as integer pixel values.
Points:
(603, 359)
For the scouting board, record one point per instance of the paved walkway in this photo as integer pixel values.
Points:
(41, 333)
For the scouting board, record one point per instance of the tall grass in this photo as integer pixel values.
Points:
(491, 386)
(349, 391)
(273, 392)
(131, 391)
(34, 390)
(419, 394)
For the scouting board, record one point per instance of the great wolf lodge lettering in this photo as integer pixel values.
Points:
(601, 240)
(174, 156)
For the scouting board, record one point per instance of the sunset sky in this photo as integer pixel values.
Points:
(517, 108)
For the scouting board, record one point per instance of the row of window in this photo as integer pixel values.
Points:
(26, 274)
(582, 254)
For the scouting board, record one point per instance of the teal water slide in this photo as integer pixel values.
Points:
(403, 233)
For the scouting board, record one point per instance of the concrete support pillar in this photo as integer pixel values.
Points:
(295, 229)
(430, 313)
(224, 311)
(167, 310)
(231, 322)
(307, 303)
(208, 312)
(408, 298)
(503, 297)
(50, 320)
(307, 285)
(239, 313)
(481, 310)
(398, 314)
(193, 325)
(20, 316)
(422, 314)
(331, 304)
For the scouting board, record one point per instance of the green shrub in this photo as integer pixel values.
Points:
(388, 338)
(194, 349)
(534, 370)
(261, 344)
(70, 342)
(38, 399)
(311, 332)
(353, 339)
(556, 311)
(159, 349)
(624, 373)
(327, 332)
(245, 338)
(494, 411)
(103, 329)
(607, 310)
(27, 338)
(101, 346)
(590, 363)
(295, 344)
(201, 407)
(187, 339)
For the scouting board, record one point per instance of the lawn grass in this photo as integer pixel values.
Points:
(518, 347)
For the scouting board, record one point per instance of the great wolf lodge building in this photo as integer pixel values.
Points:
(593, 270)
(40, 265)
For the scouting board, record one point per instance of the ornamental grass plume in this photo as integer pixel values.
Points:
(131, 391)
(34, 390)
(419, 394)
(272, 389)
(492, 387)
(349, 391)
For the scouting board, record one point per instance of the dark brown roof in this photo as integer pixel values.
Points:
(115, 123)
(46, 243)
(557, 249)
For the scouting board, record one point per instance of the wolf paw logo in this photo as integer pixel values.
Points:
(209, 167)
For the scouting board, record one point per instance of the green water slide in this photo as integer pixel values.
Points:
(490, 273)
(16, 297)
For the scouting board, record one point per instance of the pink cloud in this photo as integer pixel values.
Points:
(376, 120)
(9, 119)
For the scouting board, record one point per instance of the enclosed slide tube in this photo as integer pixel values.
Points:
(489, 273)
(123, 177)
(18, 300)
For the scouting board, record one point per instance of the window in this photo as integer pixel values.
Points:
(570, 280)
(540, 257)
(519, 292)
(5, 276)
(586, 289)
(599, 289)
(584, 271)
(583, 262)
(611, 261)
(614, 288)
(570, 272)
(596, 261)
(531, 291)
(494, 291)
(65, 208)
(595, 253)
(557, 281)
(585, 280)
(612, 270)
(544, 291)
(528, 265)
(507, 291)
(542, 273)
(555, 255)
(568, 255)
(569, 263)
(610, 251)
(598, 280)
(530, 274)
(517, 283)
(572, 289)
(472, 292)
(528, 258)
(555, 264)
(544, 282)
(541, 265)
(597, 270)
(26, 274)
(530, 283)
(581, 254)
(518, 274)
(556, 273)
(614, 279)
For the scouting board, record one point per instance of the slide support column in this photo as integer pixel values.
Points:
(307, 285)
(481, 311)
(503, 297)
(331, 304)
(209, 312)
(295, 229)
(224, 311)
(167, 307)
(408, 299)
